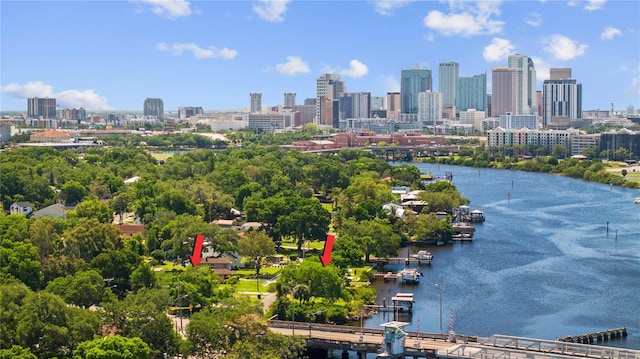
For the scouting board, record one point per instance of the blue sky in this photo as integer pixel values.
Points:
(111, 55)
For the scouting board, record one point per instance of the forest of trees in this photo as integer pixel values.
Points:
(76, 288)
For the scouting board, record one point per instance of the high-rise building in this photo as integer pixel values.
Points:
(256, 102)
(561, 98)
(412, 82)
(393, 105)
(562, 73)
(429, 108)
(41, 107)
(526, 84)
(448, 73)
(504, 82)
(355, 105)
(189, 111)
(471, 93)
(331, 87)
(153, 107)
(289, 99)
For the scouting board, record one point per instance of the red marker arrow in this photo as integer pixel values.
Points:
(197, 250)
(325, 258)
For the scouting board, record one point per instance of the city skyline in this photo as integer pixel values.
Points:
(112, 55)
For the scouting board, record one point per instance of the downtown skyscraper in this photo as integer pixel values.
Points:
(412, 82)
(38, 107)
(561, 97)
(526, 84)
(448, 73)
(153, 107)
(329, 88)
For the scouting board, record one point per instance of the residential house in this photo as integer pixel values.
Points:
(220, 266)
(128, 230)
(24, 208)
(54, 211)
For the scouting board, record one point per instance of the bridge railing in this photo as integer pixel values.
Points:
(558, 347)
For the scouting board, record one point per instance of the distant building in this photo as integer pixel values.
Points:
(561, 97)
(516, 122)
(526, 84)
(412, 82)
(23, 208)
(73, 114)
(329, 87)
(270, 121)
(256, 102)
(41, 107)
(6, 131)
(355, 105)
(504, 82)
(153, 107)
(472, 117)
(54, 136)
(54, 211)
(429, 108)
(289, 99)
(471, 93)
(448, 73)
(190, 111)
(393, 105)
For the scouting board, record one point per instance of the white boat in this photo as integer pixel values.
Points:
(410, 276)
(423, 255)
(637, 201)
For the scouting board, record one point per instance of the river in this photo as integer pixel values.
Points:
(555, 257)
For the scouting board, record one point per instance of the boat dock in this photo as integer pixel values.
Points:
(596, 337)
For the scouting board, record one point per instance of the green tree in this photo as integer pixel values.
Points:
(73, 192)
(257, 246)
(12, 296)
(143, 277)
(16, 352)
(88, 238)
(83, 289)
(112, 347)
(120, 204)
(373, 237)
(21, 260)
(92, 208)
(305, 219)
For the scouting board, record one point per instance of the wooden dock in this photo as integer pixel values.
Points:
(399, 260)
(596, 337)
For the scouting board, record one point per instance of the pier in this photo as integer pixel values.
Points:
(394, 342)
(596, 337)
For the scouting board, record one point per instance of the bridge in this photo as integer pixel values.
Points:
(363, 341)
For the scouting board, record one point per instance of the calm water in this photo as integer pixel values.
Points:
(542, 265)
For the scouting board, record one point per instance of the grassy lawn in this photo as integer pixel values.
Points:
(160, 156)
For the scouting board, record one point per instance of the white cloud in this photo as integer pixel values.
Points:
(595, 5)
(30, 89)
(171, 9)
(198, 52)
(65, 99)
(589, 5)
(356, 69)
(392, 83)
(429, 37)
(542, 68)
(609, 33)
(473, 19)
(387, 7)
(563, 48)
(534, 19)
(634, 87)
(498, 50)
(271, 10)
(294, 65)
